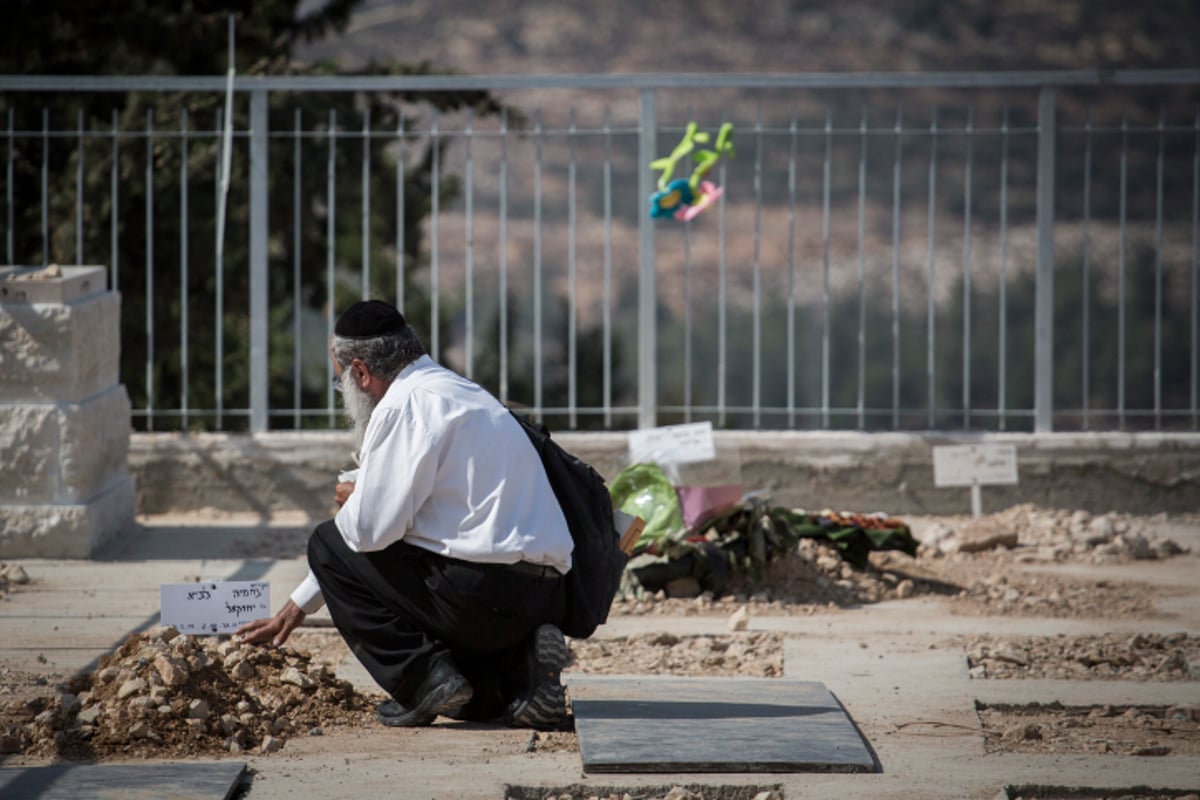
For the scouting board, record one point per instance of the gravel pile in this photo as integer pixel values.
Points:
(1140, 657)
(1050, 535)
(165, 694)
(752, 654)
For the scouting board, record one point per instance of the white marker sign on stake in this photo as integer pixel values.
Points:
(214, 607)
(673, 444)
(975, 465)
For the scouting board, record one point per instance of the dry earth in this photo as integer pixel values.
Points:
(162, 694)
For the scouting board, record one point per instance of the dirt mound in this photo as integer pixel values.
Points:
(163, 694)
(1035, 534)
(754, 654)
(1140, 657)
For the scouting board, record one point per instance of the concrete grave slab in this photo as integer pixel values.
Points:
(677, 724)
(215, 780)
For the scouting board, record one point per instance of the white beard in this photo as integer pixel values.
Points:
(358, 406)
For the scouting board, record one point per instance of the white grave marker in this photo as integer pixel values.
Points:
(975, 465)
(214, 607)
(673, 444)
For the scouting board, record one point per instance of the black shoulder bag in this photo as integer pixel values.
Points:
(597, 561)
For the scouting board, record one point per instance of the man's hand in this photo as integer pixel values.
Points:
(342, 493)
(279, 627)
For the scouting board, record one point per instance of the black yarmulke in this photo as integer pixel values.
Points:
(368, 319)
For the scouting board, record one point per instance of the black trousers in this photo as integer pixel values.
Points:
(402, 609)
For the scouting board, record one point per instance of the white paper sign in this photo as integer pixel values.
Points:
(673, 444)
(214, 607)
(975, 465)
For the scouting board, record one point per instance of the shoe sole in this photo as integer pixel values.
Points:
(546, 707)
(447, 700)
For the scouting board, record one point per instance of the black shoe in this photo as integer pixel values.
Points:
(444, 691)
(543, 706)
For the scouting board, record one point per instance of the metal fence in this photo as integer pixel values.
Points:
(975, 251)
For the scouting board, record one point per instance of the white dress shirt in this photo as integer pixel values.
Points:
(445, 467)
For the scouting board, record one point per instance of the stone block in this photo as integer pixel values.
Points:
(72, 530)
(54, 353)
(95, 444)
(29, 442)
(63, 452)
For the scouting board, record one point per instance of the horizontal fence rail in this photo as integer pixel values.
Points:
(938, 251)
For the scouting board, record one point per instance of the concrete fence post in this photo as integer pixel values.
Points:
(259, 176)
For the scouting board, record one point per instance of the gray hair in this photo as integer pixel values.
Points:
(384, 356)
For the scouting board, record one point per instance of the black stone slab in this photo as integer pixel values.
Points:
(215, 780)
(675, 724)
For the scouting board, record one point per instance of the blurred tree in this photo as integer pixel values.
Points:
(167, 154)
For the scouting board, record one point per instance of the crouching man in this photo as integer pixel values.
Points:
(442, 569)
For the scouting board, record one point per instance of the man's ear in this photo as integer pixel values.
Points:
(362, 374)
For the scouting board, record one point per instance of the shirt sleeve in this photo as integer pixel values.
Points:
(398, 466)
(308, 594)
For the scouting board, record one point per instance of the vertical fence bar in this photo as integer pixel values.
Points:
(400, 210)
(366, 203)
(219, 276)
(756, 389)
(826, 179)
(297, 350)
(687, 320)
(722, 304)
(1158, 270)
(572, 361)
(647, 282)
(435, 184)
(330, 248)
(860, 403)
(259, 221)
(45, 186)
(114, 254)
(1195, 351)
(1123, 212)
(607, 310)
(8, 185)
(896, 171)
(183, 268)
(791, 290)
(1043, 380)
(149, 269)
(503, 255)
(1087, 269)
(469, 246)
(1002, 345)
(966, 269)
(930, 308)
(537, 264)
(79, 187)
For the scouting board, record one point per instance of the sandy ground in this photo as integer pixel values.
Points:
(1112, 593)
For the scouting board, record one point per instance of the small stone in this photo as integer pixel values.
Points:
(69, 704)
(140, 730)
(740, 619)
(16, 574)
(89, 715)
(172, 670)
(1153, 750)
(131, 686)
(242, 672)
(296, 678)
(198, 709)
(1023, 732)
(195, 725)
(233, 745)
(271, 744)
(905, 589)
